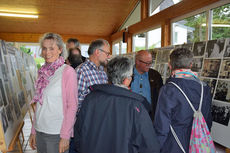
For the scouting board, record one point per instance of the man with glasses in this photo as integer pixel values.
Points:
(92, 72)
(146, 81)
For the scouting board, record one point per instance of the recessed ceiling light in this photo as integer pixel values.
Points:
(18, 15)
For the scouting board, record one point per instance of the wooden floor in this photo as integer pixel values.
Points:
(27, 127)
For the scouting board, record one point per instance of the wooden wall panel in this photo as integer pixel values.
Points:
(34, 38)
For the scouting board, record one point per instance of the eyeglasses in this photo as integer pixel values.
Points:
(107, 53)
(146, 63)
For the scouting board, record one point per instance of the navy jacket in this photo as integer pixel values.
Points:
(114, 120)
(172, 108)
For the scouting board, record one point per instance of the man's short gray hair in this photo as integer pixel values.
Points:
(55, 37)
(181, 58)
(118, 69)
(96, 44)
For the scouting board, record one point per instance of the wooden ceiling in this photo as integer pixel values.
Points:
(67, 17)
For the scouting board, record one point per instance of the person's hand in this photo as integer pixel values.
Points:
(32, 141)
(63, 145)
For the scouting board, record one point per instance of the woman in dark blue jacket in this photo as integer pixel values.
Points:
(173, 109)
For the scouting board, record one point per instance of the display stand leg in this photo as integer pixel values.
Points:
(19, 146)
(31, 119)
(227, 150)
(16, 140)
(23, 138)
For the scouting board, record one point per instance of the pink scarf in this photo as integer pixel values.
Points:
(44, 73)
(184, 73)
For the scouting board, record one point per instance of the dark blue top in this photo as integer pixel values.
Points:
(114, 120)
(172, 108)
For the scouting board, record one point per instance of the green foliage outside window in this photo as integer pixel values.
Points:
(221, 16)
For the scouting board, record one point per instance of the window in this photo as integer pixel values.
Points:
(154, 38)
(116, 49)
(220, 25)
(159, 5)
(139, 42)
(123, 47)
(189, 30)
(84, 50)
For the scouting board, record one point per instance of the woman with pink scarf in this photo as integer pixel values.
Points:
(55, 98)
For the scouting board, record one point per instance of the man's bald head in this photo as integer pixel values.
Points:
(143, 61)
(142, 53)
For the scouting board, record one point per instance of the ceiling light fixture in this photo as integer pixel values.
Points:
(18, 15)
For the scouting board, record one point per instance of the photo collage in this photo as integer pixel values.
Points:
(212, 63)
(14, 99)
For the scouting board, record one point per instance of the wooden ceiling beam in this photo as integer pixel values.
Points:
(34, 38)
(144, 9)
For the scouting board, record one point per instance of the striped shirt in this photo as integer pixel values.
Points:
(89, 74)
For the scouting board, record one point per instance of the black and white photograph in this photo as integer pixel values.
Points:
(211, 83)
(227, 48)
(177, 46)
(1, 100)
(215, 48)
(225, 69)
(3, 71)
(223, 91)
(220, 112)
(8, 64)
(4, 120)
(1, 53)
(163, 69)
(199, 48)
(8, 92)
(211, 68)
(3, 92)
(197, 64)
(9, 114)
(3, 47)
(10, 49)
(21, 99)
(188, 46)
(16, 107)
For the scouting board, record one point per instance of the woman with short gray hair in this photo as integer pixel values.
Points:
(118, 69)
(172, 107)
(55, 98)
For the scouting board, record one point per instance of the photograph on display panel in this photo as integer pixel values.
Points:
(215, 48)
(3, 72)
(9, 114)
(225, 69)
(227, 48)
(3, 47)
(21, 99)
(211, 68)
(220, 112)
(222, 92)
(3, 93)
(197, 64)
(188, 46)
(211, 83)
(199, 48)
(8, 92)
(4, 120)
(16, 107)
(1, 53)
(1, 100)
